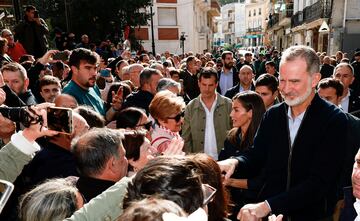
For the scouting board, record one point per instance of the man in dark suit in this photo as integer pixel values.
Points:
(189, 77)
(297, 146)
(326, 69)
(228, 75)
(331, 90)
(350, 101)
(246, 76)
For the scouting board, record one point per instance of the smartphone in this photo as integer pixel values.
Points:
(62, 55)
(36, 14)
(59, 119)
(6, 189)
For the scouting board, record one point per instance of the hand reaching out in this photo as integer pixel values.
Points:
(175, 147)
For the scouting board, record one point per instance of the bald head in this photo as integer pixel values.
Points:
(65, 100)
(246, 68)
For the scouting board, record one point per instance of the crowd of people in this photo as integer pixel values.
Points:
(175, 137)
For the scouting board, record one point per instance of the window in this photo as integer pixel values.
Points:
(254, 12)
(259, 11)
(249, 13)
(167, 16)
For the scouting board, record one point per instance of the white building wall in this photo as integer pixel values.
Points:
(190, 19)
(240, 20)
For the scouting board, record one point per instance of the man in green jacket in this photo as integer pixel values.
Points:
(207, 117)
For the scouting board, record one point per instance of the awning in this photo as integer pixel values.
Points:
(253, 36)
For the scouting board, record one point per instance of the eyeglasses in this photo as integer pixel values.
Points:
(178, 117)
(146, 125)
(209, 193)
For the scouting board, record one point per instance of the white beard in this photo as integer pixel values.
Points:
(301, 99)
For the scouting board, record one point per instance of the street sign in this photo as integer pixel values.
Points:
(324, 27)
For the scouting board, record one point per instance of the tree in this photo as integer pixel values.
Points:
(100, 19)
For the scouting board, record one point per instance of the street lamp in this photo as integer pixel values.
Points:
(182, 42)
(152, 30)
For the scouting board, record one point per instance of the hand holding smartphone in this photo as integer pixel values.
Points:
(61, 55)
(59, 119)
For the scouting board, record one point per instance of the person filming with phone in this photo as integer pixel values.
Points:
(32, 31)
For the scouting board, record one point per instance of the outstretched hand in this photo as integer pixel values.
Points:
(175, 147)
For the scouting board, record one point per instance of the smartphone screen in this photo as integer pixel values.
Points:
(59, 119)
(62, 55)
(6, 189)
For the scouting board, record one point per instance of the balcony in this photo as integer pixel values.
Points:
(257, 29)
(297, 19)
(273, 20)
(320, 9)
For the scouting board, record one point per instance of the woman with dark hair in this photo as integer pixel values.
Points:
(138, 149)
(210, 173)
(169, 178)
(247, 111)
(133, 118)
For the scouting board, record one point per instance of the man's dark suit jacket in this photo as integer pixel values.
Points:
(231, 92)
(190, 82)
(354, 102)
(300, 180)
(235, 78)
(326, 70)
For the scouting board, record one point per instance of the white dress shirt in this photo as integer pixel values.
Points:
(357, 209)
(294, 124)
(345, 102)
(210, 146)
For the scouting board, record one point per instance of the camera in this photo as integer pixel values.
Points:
(21, 115)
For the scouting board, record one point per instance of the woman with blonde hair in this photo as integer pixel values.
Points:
(168, 111)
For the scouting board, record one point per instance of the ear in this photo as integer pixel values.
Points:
(315, 79)
(111, 165)
(41, 93)
(26, 83)
(161, 122)
(74, 69)
(276, 94)
(250, 113)
(133, 163)
(352, 80)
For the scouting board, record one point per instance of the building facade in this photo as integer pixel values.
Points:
(345, 27)
(298, 22)
(255, 22)
(195, 19)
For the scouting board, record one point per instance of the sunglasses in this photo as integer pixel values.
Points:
(178, 117)
(209, 193)
(146, 125)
